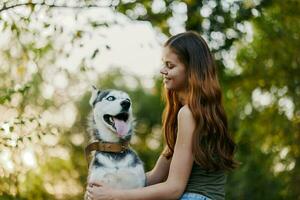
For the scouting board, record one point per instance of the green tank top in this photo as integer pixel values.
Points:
(207, 183)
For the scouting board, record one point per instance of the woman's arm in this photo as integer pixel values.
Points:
(180, 166)
(160, 171)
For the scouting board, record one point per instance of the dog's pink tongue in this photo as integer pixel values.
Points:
(121, 126)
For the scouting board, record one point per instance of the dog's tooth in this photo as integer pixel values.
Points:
(111, 120)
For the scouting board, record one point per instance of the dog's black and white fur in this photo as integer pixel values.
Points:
(111, 121)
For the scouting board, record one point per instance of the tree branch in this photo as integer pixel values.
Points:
(5, 7)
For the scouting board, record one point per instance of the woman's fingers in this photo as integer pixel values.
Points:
(89, 189)
(95, 183)
(89, 195)
(92, 189)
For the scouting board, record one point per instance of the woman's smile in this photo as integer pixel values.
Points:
(166, 79)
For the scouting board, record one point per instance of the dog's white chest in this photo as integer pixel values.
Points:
(117, 171)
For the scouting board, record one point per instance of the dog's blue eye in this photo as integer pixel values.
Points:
(110, 98)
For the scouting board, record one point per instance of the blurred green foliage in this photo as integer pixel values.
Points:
(258, 70)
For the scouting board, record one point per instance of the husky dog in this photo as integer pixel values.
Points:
(111, 122)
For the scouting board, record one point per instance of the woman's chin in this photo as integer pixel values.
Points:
(168, 87)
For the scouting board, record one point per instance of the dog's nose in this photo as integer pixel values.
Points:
(125, 104)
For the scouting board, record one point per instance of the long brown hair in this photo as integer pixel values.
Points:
(213, 147)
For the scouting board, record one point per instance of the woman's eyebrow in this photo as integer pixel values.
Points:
(167, 61)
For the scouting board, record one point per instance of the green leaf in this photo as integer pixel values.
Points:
(11, 128)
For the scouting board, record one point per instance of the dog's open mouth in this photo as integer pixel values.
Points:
(118, 122)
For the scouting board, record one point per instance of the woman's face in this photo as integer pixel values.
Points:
(173, 71)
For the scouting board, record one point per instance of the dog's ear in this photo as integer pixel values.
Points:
(95, 93)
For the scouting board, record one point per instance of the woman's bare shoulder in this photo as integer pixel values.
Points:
(185, 112)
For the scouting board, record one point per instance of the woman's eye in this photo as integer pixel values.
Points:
(110, 98)
(170, 66)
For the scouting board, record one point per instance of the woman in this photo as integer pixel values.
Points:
(199, 148)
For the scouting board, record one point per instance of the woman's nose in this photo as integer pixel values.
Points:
(164, 71)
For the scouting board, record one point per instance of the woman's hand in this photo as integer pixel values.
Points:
(97, 191)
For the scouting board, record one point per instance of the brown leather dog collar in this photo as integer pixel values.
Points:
(105, 147)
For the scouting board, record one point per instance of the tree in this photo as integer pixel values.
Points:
(266, 96)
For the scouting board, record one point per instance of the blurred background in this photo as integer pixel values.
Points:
(52, 51)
